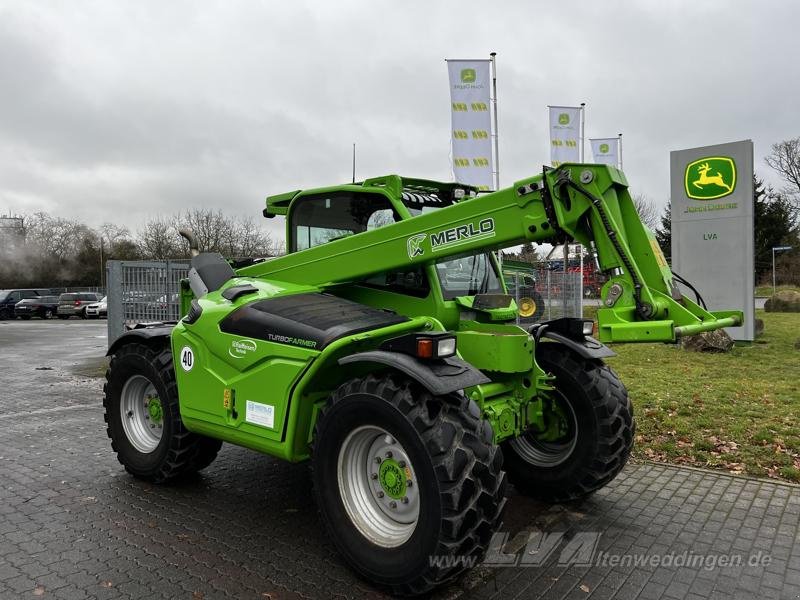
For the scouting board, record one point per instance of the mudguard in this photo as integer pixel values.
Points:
(440, 377)
(588, 347)
(146, 332)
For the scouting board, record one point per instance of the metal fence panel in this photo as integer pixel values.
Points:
(146, 291)
(142, 292)
(554, 294)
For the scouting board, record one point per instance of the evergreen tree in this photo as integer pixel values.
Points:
(664, 231)
(774, 225)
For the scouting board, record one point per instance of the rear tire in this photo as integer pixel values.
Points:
(48, 314)
(143, 417)
(453, 505)
(599, 425)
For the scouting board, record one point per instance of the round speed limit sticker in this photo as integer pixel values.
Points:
(187, 359)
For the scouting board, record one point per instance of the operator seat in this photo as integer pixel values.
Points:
(209, 272)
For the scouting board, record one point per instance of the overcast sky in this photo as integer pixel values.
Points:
(117, 111)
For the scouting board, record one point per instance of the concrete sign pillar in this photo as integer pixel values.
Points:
(712, 227)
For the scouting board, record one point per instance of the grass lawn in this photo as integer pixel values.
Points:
(765, 291)
(738, 411)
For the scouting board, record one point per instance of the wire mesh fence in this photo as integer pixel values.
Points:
(147, 291)
(142, 292)
(542, 295)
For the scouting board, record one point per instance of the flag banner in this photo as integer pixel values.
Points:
(470, 98)
(605, 151)
(565, 134)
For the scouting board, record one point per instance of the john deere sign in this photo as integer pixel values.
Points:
(604, 148)
(712, 226)
(563, 119)
(710, 177)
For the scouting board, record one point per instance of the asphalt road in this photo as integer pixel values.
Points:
(74, 525)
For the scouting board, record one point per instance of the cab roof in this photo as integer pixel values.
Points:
(395, 185)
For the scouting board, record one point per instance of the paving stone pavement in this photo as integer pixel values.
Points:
(74, 525)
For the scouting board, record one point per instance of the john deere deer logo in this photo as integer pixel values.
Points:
(604, 148)
(468, 76)
(563, 119)
(710, 178)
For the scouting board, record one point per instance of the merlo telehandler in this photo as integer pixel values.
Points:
(382, 348)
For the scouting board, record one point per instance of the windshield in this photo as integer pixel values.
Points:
(4, 294)
(468, 275)
(462, 276)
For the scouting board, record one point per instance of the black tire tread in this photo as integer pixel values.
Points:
(467, 464)
(188, 452)
(614, 413)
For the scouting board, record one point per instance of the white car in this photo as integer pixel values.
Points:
(97, 309)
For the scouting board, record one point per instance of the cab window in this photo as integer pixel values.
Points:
(320, 219)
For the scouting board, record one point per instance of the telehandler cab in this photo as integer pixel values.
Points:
(383, 348)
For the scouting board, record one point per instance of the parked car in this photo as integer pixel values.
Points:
(44, 307)
(9, 299)
(97, 309)
(75, 303)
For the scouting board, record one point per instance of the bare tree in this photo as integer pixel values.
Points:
(648, 212)
(158, 239)
(55, 237)
(785, 160)
(210, 227)
(248, 239)
(113, 233)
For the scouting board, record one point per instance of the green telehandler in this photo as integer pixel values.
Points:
(382, 348)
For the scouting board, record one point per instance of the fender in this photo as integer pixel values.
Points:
(143, 332)
(588, 347)
(568, 331)
(440, 377)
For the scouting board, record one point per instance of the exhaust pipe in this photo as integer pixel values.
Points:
(189, 236)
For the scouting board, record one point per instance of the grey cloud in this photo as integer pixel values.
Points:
(119, 111)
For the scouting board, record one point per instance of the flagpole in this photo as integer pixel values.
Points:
(619, 149)
(354, 162)
(583, 125)
(493, 60)
(494, 104)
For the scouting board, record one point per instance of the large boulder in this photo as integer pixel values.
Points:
(783, 301)
(708, 341)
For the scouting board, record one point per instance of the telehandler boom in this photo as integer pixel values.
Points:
(383, 347)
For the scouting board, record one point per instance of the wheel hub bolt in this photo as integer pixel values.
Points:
(380, 494)
(392, 504)
(374, 476)
(378, 459)
(405, 500)
(152, 426)
(130, 413)
(389, 454)
(402, 464)
(409, 483)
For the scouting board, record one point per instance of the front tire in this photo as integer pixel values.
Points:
(143, 417)
(596, 432)
(409, 486)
